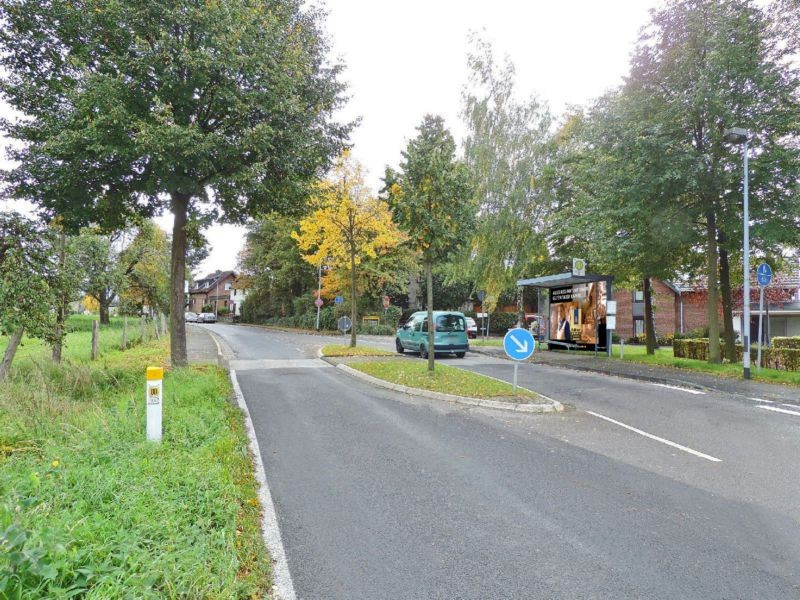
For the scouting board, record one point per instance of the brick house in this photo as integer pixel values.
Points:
(681, 307)
(216, 289)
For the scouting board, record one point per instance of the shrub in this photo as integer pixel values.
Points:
(787, 342)
(376, 330)
(501, 322)
(697, 349)
(783, 358)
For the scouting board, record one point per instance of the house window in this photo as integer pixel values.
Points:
(638, 327)
(228, 286)
(638, 296)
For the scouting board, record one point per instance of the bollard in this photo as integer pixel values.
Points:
(621, 348)
(154, 396)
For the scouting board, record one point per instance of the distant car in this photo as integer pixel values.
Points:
(190, 317)
(450, 335)
(472, 328)
(208, 318)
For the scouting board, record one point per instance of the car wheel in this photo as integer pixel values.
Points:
(399, 346)
(423, 352)
(460, 354)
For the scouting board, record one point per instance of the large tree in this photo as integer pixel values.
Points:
(703, 66)
(136, 107)
(507, 148)
(27, 293)
(431, 198)
(619, 204)
(347, 227)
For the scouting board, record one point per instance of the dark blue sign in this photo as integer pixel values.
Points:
(764, 274)
(338, 300)
(519, 344)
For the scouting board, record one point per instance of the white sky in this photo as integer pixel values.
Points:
(405, 59)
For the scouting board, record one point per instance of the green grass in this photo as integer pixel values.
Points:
(494, 342)
(664, 357)
(78, 343)
(336, 350)
(96, 510)
(446, 379)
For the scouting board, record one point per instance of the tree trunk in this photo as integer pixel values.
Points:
(105, 303)
(177, 340)
(13, 343)
(520, 308)
(713, 296)
(727, 300)
(354, 298)
(649, 321)
(431, 324)
(61, 308)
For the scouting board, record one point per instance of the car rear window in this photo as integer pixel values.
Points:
(449, 323)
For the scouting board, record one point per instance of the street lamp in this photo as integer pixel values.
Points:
(739, 136)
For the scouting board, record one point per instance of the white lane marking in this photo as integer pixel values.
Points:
(282, 586)
(656, 438)
(760, 400)
(292, 363)
(298, 349)
(682, 389)
(794, 406)
(780, 410)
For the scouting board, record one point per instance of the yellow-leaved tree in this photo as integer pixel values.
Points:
(347, 225)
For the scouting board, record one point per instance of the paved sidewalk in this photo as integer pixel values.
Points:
(200, 346)
(670, 376)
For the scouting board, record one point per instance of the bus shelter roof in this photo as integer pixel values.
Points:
(562, 280)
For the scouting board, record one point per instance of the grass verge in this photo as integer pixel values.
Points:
(664, 357)
(491, 342)
(88, 507)
(445, 379)
(339, 350)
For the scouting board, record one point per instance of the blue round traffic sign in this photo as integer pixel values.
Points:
(519, 344)
(764, 274)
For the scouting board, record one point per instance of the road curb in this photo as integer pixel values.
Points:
(282, 585)
(552, 406)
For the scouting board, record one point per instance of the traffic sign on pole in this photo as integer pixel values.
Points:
(764, 274)
(318, 302)
(339, 300)
(344, 324)
(519, 344)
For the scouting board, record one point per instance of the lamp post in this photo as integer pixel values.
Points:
(319, 292)
(740, 136)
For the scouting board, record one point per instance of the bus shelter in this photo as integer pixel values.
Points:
(575, 309)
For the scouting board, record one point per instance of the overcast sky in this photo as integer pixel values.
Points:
(408, 58)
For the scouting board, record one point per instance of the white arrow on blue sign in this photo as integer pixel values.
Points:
(764, 274)
(519, 344)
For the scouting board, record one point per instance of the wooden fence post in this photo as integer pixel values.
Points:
(95, 339)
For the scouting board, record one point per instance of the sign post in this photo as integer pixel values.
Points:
(519, 344)
(153, 398)
(764, 276)
(344, 324)
(611, 324)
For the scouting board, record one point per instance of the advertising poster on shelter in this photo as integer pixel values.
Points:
(578, 314)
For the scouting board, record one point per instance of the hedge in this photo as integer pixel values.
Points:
(784, 358)
(786, 342)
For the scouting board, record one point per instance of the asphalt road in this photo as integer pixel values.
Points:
(637, 491)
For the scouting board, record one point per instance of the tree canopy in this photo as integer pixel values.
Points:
(134, 107)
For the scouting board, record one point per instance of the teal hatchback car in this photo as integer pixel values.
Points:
(450, 336)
